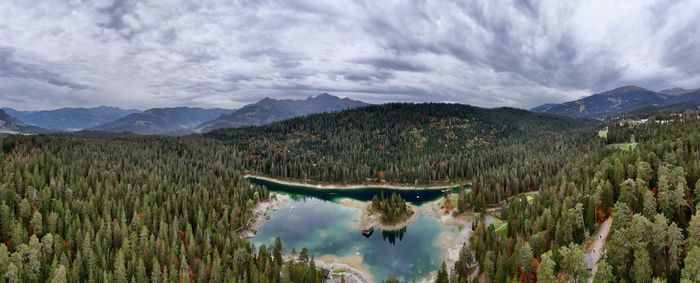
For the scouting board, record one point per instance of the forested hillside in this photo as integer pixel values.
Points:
(651, 191)
(411, 143)
(132, 209)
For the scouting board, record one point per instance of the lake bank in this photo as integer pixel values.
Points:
(450, 244)
(329, 223)
(351, 267)
(260, 214)
(323, 186)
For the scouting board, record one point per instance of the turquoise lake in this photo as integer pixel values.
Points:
(316, 220)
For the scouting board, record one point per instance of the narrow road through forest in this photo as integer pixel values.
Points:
(596, 251)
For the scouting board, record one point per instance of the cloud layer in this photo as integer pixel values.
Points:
(223, 53)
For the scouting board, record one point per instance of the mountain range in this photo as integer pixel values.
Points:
(70, 119)
(188, 120)
(9, 124)
(162, 121)
(620, 100)
(171, 121)
(269, 110)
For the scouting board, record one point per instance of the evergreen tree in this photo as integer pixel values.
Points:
(59, 276)
(691, 271)
(442, 276)
(461, 266)
(694, 231)
(545, 272)
(573, 262)
(603, 273)
(641, 268)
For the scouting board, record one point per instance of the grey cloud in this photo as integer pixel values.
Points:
(10, 67)
(491, 53)
(394, 64)
(64, 83)
(684, 50)
(115, 14)
(375, 77)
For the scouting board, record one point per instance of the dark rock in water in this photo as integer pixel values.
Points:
(367, 231)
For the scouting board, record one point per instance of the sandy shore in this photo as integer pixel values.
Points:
(355, 186)
(449, 243)
(352, 267)
(260, 214)
(374, 219)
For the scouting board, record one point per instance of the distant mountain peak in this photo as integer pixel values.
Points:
(269, 110)
(13, 125)
(677, 91)
(326, 95)
(619, 100)
(71, 118)
(160, 121)
(625, 89)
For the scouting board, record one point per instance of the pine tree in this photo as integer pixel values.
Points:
(641, 267)
(604, 273)
(120, 274)
(694, 231)
(277, 251)
(545, 272)
(59, 275)
(691, 271)
(675, 247)
(573, 262)
(37, 223)
(461, 267)
(525, 260)
(442, 276)
(155, 271)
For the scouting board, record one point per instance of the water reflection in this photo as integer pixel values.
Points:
(316, 220)
(414, 196)
(392, 235)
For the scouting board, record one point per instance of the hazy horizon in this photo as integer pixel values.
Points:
(223, 54)
(294, 98)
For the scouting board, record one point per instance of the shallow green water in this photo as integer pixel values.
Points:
(321, 224)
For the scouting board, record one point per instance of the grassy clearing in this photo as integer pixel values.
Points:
(530, 197)
(603, 134)
(454, 199)
(623, 146)
(340, 270)
(503, 229)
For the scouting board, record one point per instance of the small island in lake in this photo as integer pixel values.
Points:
(393, 209)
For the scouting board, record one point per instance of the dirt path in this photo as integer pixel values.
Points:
(596, 251)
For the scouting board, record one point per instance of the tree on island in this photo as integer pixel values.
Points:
(393, 208)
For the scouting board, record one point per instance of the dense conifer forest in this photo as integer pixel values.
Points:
(132, 209)
(410, 144)
(127, 208)
(650, 189)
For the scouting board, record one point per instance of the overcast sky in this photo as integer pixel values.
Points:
(227, 53)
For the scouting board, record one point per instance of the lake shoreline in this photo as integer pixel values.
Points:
(449, 244)
(354, 269)
(260, 214)
(354, 186)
